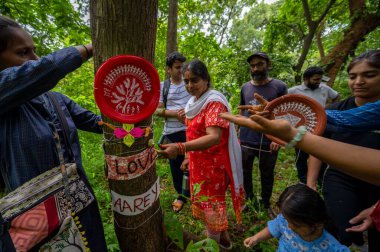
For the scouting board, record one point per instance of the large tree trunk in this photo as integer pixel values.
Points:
(359, 28)
(129, 27)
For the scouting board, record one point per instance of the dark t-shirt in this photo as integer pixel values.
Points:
(270, 91)
(370, 139)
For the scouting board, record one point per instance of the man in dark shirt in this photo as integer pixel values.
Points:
(254, 144)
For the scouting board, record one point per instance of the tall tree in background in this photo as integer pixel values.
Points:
(363, 20)
(312, 25)
(171, 38)
(129, 27)
(171, 42)
(294, 28)
(303, 28)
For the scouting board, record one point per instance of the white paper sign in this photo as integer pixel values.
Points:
(134, 205)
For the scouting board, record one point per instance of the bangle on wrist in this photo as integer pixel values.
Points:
(301, 131)
(88, 55)
(181, 148)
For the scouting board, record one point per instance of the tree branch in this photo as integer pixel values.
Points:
(307, 13)
(328, 7)
(355, 5)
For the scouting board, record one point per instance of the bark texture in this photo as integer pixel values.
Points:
(361, 25)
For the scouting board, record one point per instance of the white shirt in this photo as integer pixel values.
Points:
(177, 99)
(320, 94)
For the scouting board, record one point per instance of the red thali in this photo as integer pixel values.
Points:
(127, 88)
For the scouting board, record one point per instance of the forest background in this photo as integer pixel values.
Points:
(222, 33)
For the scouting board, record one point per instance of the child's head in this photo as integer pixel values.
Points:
(302, 206)
(16, 45)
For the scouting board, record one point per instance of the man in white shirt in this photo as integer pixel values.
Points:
(173, 100)
(313, 88)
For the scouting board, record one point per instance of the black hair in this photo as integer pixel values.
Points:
(372, 58)
(312, 71)
(7, 27)
(300, 204)
(198, 68)
(173, 57)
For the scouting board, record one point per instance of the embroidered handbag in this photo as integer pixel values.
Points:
(37, 208)
(68, 238)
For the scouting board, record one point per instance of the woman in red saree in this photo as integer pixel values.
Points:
(213, 152)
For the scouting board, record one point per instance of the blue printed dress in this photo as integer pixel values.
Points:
(291, 241)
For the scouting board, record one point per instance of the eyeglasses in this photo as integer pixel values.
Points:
(257, 65)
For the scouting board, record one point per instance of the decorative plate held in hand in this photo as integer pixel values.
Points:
(298, 110)
(127, 88)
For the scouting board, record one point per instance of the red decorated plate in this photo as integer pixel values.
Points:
(127, 88)
(298, 110)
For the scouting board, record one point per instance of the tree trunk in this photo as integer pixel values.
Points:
(171, 38)
(171, 42)
(129, 27)
(359, 28)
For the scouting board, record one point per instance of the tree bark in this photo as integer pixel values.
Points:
(171, 37)
(356, 32)
(171, 42)
(319, 41)
(129, 27)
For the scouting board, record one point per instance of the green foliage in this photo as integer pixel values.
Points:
(60, 26)
(174, 229)
(206, 245)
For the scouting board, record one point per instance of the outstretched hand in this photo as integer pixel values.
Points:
(364, 219)
(278, 128)
(254, 109)
(250, 242)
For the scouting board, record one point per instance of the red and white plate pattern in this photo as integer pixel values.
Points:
(298, 110)
(127, 88)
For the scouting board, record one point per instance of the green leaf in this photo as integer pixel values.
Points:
(204, 245)
(174, 229)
